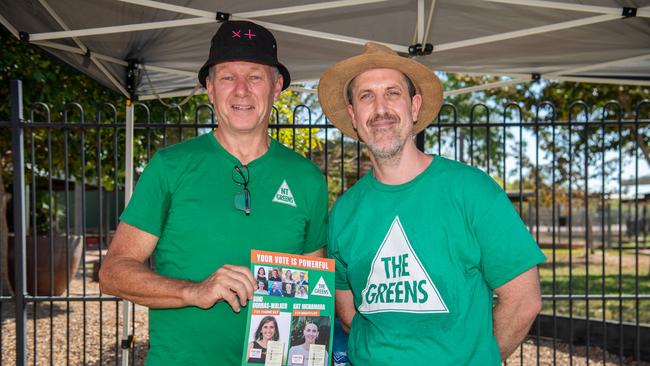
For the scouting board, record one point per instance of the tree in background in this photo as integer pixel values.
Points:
(548, 101)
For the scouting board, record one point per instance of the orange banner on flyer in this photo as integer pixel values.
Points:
(266, 311)
(306, 313)
(293, 260)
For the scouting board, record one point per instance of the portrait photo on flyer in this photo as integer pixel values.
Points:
(290, 318)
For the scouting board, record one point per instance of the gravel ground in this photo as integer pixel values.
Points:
(65, 336)
(62, 341)
(528, 355)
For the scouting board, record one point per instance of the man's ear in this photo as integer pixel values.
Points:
(351, 113)
(277, 88)
(416, 103)
(209, 86)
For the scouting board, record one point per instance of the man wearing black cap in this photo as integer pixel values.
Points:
(200, 206)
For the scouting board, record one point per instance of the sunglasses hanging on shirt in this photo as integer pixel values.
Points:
(241, 177)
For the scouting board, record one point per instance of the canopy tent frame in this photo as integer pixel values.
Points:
(422, 29)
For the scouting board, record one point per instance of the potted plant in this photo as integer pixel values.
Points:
(52, 253)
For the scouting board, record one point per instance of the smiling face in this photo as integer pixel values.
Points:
(382, 111)
(268, 330)
(242, 94)
(261, 272)
(310, 333)
(260, 285)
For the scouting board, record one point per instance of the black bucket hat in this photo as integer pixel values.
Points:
(244, 41)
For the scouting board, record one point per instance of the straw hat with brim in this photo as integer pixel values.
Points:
(333, 85)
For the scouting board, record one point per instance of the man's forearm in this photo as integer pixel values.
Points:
(518, 303)
(134, 281)
(511, 325)
(345, 309)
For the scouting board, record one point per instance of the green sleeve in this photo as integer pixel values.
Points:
(341, 274)
(147, 209)
(507, 247)
(316, 235)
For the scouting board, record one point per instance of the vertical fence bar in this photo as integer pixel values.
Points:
(637, 343)
(419, 140)
(603, 288)
(588, 239)
(554, 235)
(18, 159)
(620, 242)
(116, 200)
(34, 223)
(537, 187)
(128, 190)
(570, 227)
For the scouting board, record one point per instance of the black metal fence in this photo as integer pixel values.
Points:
(579, 184)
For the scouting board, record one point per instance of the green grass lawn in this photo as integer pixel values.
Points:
(620, 277)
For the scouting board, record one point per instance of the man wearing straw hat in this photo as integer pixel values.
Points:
(200, 206)
(421, 242)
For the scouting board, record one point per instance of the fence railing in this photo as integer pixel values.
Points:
(579, 185)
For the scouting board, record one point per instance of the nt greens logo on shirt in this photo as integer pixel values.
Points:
(397, 281)
(284, 195)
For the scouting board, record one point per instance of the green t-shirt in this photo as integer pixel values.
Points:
(422, 260)
(185, 197)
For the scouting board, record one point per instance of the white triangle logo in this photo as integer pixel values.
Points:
(321, 289)
(283, 195)
(397, 281)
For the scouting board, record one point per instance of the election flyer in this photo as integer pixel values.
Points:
(291, 318)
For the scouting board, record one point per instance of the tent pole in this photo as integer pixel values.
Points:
(420, 22)
(63, 47)
(119, 29)
(172, 8)
(324, 35)
(83, 48)
(593, 80)
(110, 76)
(598, 66)
(428, 28)
(61, 23)
(128, 191)
(110, 59)
(525, 32)
(641, 12)
(498, 84)
(305, 8)
(169, 71)
(10, 27)
(252, 14)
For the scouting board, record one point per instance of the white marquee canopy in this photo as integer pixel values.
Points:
(144, 48)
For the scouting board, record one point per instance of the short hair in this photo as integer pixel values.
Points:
(409, 85)
(275, 72)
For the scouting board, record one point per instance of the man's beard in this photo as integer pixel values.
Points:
(397, 142)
